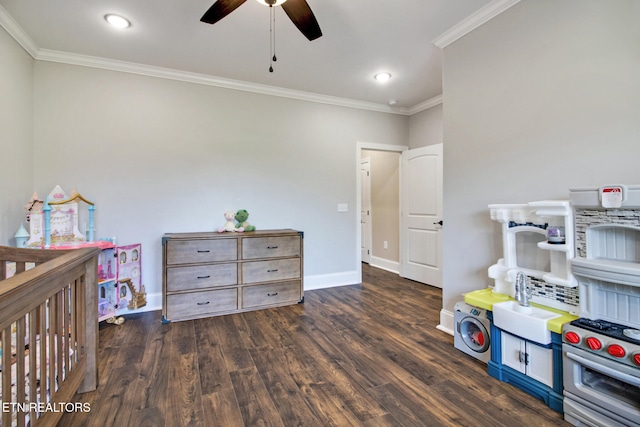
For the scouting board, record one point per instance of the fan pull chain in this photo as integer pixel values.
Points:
(272, 37)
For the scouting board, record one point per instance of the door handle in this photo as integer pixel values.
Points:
(438, 223)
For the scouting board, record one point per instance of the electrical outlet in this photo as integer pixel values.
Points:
(386, 244)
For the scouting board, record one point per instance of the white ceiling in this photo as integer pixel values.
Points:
(360, 38)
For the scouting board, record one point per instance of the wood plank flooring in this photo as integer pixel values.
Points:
(362, 355)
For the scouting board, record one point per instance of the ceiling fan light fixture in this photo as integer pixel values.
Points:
(382, 77)
(117, 21)
(271, 2)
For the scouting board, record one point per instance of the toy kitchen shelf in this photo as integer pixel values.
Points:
(559, 213)
(533, 219)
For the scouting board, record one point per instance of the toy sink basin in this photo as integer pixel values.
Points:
(526, 322)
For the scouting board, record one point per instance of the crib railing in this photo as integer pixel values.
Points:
(48, 331)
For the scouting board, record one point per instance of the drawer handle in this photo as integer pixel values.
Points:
(272, 271)
(272, 294)
(203, 277)
(204, 252)
(202, 303)
(272, 247)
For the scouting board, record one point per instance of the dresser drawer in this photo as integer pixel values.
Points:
(199, 251)
(269, 294)
(266, 271)
(270, 247)
(200, 304)
(201, 276)
(213, 274)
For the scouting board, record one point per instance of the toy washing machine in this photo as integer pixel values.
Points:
(471, 333)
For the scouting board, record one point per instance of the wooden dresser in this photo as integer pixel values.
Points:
(210, 274)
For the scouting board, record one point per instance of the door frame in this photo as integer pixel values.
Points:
(360, 145)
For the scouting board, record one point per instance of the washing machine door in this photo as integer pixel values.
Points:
(474, 334)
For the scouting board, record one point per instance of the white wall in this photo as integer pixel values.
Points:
(16, 112)
(163, 156)
(425, 127)
(540, 99)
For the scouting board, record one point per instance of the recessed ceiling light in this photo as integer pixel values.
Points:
(117, 21)
(382, 77)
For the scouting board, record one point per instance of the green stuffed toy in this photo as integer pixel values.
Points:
(242, 216)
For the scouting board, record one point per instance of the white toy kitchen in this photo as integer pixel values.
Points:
(565, 307)
(601, 350)
(535, 270)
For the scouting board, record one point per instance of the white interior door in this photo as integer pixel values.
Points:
(365, 209)
(421, 214)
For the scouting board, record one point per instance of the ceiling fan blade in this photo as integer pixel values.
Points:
(301, 15)
(220, 9)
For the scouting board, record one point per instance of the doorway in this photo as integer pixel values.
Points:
(379, 244)
(382, 221)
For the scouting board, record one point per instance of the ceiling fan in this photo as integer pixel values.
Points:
(297, 10)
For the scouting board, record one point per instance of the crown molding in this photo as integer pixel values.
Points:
(184, 76)
(11, 26)
(464, 27)
(436, 100)
(23, 39)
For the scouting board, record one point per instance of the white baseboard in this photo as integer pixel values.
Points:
(385, 264)
(446, 322)
(322, 281)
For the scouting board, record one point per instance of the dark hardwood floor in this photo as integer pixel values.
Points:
(361, 355)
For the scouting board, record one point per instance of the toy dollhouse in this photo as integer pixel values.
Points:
(120, 287)
(54, 223)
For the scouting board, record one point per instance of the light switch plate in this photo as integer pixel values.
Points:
(343, 207)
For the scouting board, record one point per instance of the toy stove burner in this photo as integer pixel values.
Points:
(609, 329)
(634, 334)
